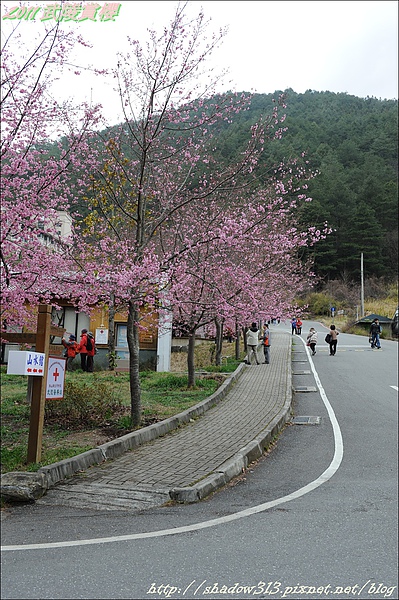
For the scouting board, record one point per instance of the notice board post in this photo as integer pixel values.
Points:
(39, 386)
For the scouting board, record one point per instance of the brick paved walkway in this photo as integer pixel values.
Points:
(192, 452)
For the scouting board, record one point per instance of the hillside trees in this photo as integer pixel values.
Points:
(355, 152)
(353, 144)
(34, 185)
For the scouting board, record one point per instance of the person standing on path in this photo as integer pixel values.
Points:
(266, 343)
(298, 326)
(312, 340)
(375, 331)
(91, 350)
(293, 326)
(82, 348)
(333, 340)
(252, 342)
(71, 350)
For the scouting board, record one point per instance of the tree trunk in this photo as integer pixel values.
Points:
(219, 340)
(237, 342)
(244, 335)
(190, 359)
(111, 334)
(134, 363)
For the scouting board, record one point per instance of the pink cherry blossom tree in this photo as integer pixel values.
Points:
(36, 263)
(162, 159)
(166, 216)
(178, 214)
(239, 261)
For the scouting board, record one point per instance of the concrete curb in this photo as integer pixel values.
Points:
(235, 465)
(67, 468)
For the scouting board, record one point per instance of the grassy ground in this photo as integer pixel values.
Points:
(96, 407)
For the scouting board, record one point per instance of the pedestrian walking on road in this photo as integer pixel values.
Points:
(375, 331)
(252, 342)
(266, 343)
(312, 340)
(333, 340)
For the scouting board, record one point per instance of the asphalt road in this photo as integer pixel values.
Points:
(316, 518)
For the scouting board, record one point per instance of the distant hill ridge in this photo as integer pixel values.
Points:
(353, 143)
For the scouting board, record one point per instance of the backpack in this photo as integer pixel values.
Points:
(89, 344)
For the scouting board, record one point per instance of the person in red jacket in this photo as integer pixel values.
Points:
(298, 326)
(82, 348)
(71, 350)
(91, 350)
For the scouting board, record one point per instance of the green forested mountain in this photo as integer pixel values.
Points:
(353, 144)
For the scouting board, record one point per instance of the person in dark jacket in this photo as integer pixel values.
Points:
(375, 331)
(293, 325)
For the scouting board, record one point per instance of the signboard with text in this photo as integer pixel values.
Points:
(55, 378)
(21, 362)
(101, 336)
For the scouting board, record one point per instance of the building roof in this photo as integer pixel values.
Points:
(370, 319)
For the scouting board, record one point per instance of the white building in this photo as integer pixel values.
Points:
(55, 229)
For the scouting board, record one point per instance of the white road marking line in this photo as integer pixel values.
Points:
(351, 346)
(395, 387)
(325, 476)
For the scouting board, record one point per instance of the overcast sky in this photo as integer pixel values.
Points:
(339, 46)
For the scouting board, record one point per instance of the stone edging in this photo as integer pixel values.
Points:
(235, 465)
(67, 468)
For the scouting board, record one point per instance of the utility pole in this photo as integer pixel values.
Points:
(361, 287)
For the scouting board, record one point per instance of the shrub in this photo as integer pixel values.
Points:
(85, 405)
(319, 303)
